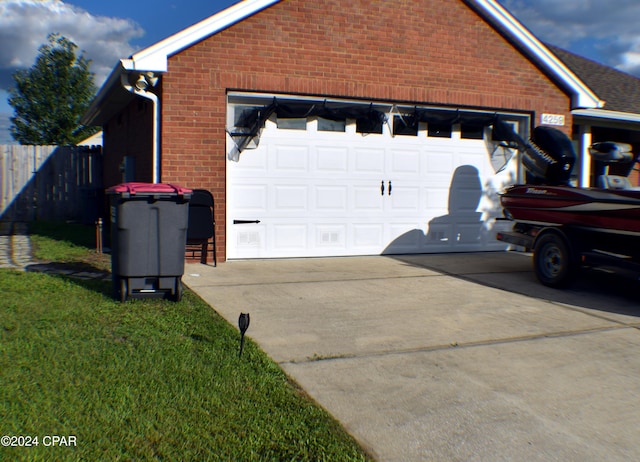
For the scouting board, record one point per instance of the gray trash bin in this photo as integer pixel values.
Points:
(148, 237)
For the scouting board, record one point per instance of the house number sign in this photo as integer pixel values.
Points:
(552, 119)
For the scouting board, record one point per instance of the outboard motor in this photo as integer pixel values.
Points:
(549, 157)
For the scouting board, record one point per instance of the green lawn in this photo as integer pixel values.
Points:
(142, 380)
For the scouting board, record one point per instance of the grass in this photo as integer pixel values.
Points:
(67, 244)
(142, 380)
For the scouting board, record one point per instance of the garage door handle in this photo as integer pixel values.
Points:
(382, 188)
(389, 187)
(245, 222)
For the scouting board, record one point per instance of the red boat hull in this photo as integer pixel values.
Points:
(602, 210)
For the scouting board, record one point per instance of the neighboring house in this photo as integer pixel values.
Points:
(327, 128)
(93, 140)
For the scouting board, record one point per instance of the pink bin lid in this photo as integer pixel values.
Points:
(148, 188)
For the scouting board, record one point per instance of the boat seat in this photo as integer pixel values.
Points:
(613, 182)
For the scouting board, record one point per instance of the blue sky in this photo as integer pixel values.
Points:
(104, 31)
(108, 30)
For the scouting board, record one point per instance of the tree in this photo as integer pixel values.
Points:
(50, 97)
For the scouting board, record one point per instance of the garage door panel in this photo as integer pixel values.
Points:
(249, 198)
(290, 237)
(468, 159)
(254, 163)
(407, 237)
(369, 161)
(368, 237)
(437, 199)
(465, 191)
(468, 233)
(478, 162)
(367, 199)
(291, 198)
(404, 199)
(291, 160)
(404, 163)
(248, 241)
(439, 235)
(331, 236)
(439, 161)
(331, 199)
(464, 200)
(332, 160)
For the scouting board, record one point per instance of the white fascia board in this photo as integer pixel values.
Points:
(614, 116)
(154, 58)
(582, 96)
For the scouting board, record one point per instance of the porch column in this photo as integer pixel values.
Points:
(584, 141)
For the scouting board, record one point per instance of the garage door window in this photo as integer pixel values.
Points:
(439, 130)
(326, 125)
(369, 125)
(471, 131)
(291, 124)
(405, 125)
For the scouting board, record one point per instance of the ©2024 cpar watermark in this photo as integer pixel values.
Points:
(27, 441)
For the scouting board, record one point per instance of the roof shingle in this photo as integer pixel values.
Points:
(620, 91)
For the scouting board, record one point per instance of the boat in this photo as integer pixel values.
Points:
(568, 227)
(547, 199)
(602, 210)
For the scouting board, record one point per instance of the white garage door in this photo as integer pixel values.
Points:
(307, 192)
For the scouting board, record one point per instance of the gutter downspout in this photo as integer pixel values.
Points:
(140, 89)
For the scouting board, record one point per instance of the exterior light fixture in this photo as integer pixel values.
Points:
(141, 84)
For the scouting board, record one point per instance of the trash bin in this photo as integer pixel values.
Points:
(148, 239)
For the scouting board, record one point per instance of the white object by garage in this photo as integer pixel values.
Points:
(312, 193)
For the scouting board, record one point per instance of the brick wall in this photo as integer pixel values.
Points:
(427, 52)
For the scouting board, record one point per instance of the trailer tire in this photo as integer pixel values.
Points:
(553, 261)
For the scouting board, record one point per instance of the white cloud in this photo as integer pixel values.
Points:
(605, 31)
(25, 25)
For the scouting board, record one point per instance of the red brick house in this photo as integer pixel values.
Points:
(338, 128)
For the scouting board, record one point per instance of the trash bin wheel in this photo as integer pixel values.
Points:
(177, 295)
(124, 287)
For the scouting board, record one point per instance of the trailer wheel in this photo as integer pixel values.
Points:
(553, 262)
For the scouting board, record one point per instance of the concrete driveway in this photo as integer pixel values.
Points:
(448, 357)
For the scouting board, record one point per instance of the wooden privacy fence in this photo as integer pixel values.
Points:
(51, 183)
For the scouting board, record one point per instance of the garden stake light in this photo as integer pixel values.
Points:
(243, 324)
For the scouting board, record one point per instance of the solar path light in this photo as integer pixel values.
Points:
(243, 324)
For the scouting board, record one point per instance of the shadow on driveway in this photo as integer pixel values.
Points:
(593, 289)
